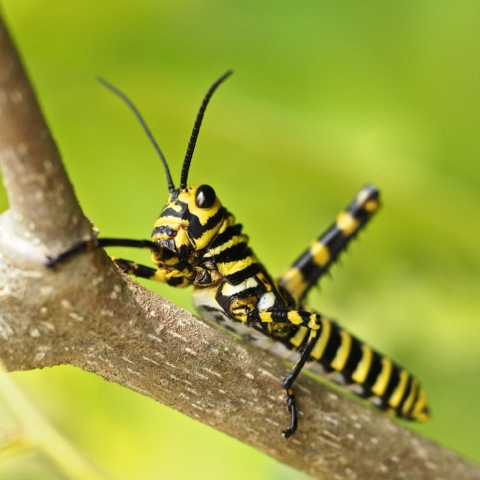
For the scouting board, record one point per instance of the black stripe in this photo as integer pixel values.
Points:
(335, 240)
(307, 267)
(172, 212)
(175, 281)
(406, 394)
(196, 229)
(331, 349)
(227, 235)
(392, 382)
(374, 372)
(360, 214)
(242, 275)
(354, 357)
(408, 414)
(235, 253)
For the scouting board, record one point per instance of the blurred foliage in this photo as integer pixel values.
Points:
(326, 96)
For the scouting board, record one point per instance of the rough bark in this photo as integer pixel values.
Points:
(88, 314)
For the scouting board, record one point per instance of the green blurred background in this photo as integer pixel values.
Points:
(326, 96)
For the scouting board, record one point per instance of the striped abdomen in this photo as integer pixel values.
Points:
(364, 371)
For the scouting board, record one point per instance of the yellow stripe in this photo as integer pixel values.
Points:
(382, 381)
(294, 317)
(167, 220)
(229, 268)
(320, 254)
(230, 243)
(294, 282)
(400, 390)
(411, 397)
(204, 215)
(314, 323)
(265, 317)
(343, 352)
(346, 223)
(321, 344)
(299, 337)
(371, 206)
(363, 367)
(419, 412)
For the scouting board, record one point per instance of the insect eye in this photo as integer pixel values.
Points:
(205, 197)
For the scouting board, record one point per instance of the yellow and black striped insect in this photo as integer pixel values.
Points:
(197, 242)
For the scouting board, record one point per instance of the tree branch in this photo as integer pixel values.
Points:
(88, 314)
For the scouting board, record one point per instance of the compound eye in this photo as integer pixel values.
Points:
(205, 197)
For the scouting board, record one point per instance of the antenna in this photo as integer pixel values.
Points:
(196, 129)
(134, 109)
